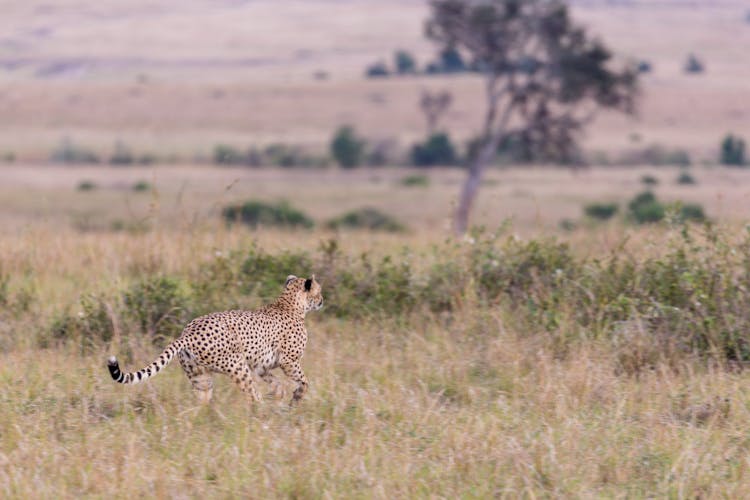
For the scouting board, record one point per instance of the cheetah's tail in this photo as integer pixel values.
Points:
(135, 377)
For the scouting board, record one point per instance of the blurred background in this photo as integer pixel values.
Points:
(192, 96)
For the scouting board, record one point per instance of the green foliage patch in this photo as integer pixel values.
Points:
(255, 213)
(693, 299)
(601, 211)
(367, 218)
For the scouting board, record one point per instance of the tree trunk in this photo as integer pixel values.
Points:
(471, 186)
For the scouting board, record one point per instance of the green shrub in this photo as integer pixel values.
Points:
(685, 178)
(69, 153)
(690, 300)
(257, 213)
(366, 218)
(377, 70)
(283, 155)
(263, 274)
(346, 148)
(86, 186)
(692, 212)
(451, 61)
(644, 67)
(89, 326)
(227, 155)
(142, 186)
(732, 151)
(601, 211)
(694, 65)
(649, 180)
(656, 155)
(160, 306)
(436, 150)
(645, 208)
(404, 62)
(417, 180)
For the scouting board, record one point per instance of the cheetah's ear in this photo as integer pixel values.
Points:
(308, 284)
(289, 279)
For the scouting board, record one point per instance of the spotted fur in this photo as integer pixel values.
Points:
(240, 343)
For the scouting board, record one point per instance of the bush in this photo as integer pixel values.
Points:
(732, 151)
(69, 153)
(86, 186)
(404, 62)
(283, 155)
(227, 155)
(649, 180)
(436, 150)
(366, 218)
(377, 70)
(645, 208)
(451, 61)
(690, 300)
(90, 326)
(657, 155)
(263, 274)
(121, 155)
(692, 212)
(644, 67)
(601, 211)
(685, 178)
(346, 148)
(417, 180)
(160, 307)
(694, 65)
(258, 213)
(141, 186)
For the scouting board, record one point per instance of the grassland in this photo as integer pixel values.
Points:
(184, 197)
(468, 402)
(587, 360)
(78, 71)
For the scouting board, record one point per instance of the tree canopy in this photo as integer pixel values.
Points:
(545, 77)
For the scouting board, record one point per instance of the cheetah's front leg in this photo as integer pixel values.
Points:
(293, 370)
(243, 377)
(277, 390)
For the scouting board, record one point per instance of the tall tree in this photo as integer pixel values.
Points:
(545, 78)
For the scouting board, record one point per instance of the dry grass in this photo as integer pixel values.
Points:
(464, 408)
(431, 405)
(536, 200)
(426, 406)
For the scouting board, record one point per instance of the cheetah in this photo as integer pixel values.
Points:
(240, 343)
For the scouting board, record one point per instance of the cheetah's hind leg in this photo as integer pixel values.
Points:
(199, 376)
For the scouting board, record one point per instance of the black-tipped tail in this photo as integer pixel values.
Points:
(114, 369)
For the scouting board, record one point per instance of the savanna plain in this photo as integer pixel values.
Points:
(600, 361)
(546, 354)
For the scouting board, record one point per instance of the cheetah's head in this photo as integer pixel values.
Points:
(307, 291)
